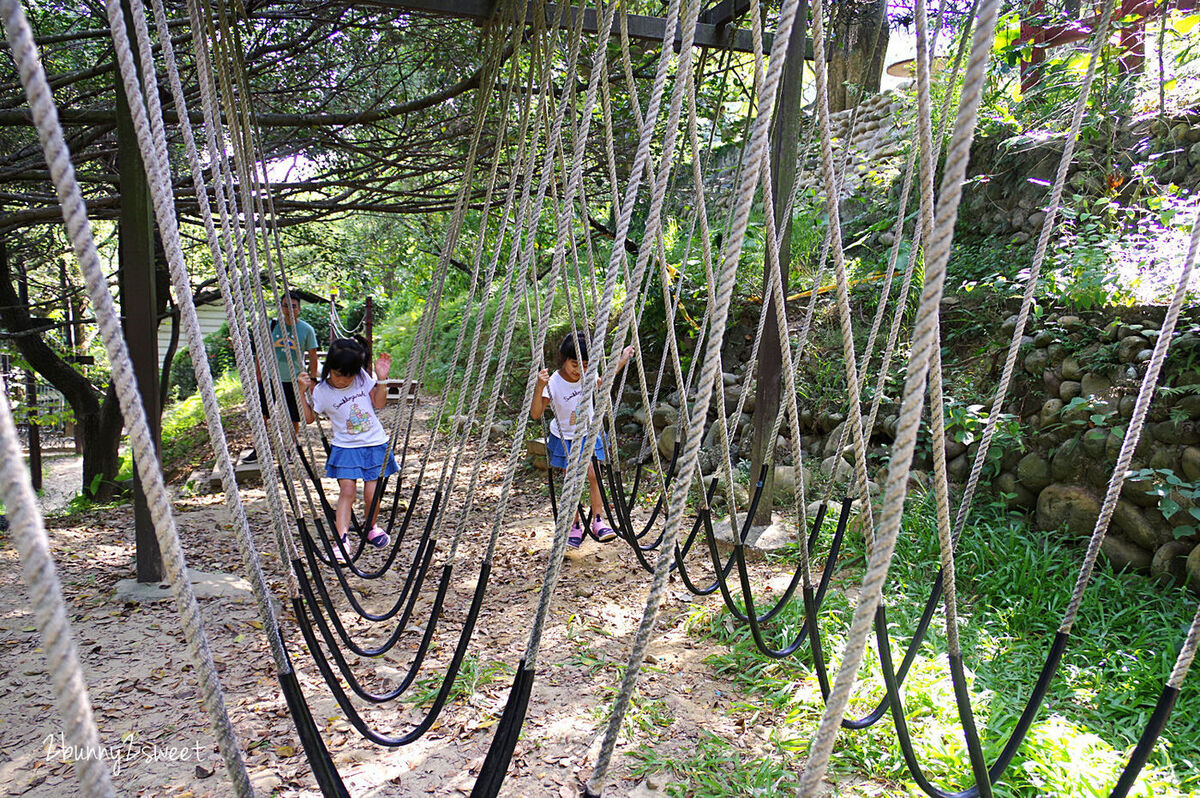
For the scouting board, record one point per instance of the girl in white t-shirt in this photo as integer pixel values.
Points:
(349, 396)
(562, 391)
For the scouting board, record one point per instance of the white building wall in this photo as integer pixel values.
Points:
(211, 316)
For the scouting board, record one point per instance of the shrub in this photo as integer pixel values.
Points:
(220, 360)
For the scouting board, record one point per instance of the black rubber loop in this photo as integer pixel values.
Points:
(328, 510)
(1016, 738)
(351, 558)
(738, 557)
(585, 515)
(340, 659)
(508, 730)
(345, 585)
(623, 502)
(1145, 744)
(410, 592)
(755, 621)
(324, 771)
(439, 702)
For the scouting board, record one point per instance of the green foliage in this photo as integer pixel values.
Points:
(183, 423)
(644, 716)
(220, 360)
(397, 333)
(965, 424)
(474, 674)
(1082, 273)
(318, 317)
(983, 265)
(22, 413)
(717, 768)
(1178, 499)
(79, 504)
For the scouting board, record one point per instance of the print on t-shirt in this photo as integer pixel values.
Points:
(351, 412)
(357, 421)
(564, 399)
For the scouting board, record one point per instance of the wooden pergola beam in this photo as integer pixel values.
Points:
(724, 12)
(708, 34)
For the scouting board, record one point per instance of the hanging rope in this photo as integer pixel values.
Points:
(711, 369)
(937, 254)
(47, 604)
(45, 117)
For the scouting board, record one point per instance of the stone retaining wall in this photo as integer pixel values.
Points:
(1068, 411)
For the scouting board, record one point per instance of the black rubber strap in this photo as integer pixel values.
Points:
(324, 771)
(1150, 735)
(508, 730)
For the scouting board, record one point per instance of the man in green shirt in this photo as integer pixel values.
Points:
(295, 343)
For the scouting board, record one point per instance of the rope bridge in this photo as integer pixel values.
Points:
(547, 122)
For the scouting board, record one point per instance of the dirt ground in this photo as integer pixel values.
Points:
(62, 472)
(146, 699)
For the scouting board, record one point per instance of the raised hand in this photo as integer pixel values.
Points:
(383, 364)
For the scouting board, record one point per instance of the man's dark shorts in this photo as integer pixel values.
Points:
(289, 397)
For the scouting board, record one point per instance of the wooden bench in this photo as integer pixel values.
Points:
(397, 388)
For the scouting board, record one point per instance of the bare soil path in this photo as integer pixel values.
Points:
(146, 701)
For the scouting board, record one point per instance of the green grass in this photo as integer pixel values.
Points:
(1013, 587)
(474, 674)
(645, 717)
(717, 768)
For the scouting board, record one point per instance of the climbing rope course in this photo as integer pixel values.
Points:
(384, 637)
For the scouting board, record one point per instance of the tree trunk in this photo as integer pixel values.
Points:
(99, 425)
(100, 433)
(856, 60)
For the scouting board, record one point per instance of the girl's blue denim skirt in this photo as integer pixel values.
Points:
(558, 449)
(360, 463)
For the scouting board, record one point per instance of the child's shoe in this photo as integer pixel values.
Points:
(575, 539)
(337, 550)
(378, 538)
(601, 530)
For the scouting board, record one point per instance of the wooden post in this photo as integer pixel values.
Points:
(72, 343)
(370, 318)
(332, 310)
(136, 255)
(785, 132)
(33, 431)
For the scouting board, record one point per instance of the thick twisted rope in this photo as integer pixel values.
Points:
(466, 388)
(710, 372)
(528, 223)
(854, 420)
(1133, 432)
(889, 349)
(453, 456)
(154, 154)
(41, 104)
(49, 608)
(227, 251)
(924, 341)
(1187, 654)
(238, 180)
(1099, 38)
(581, 453)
